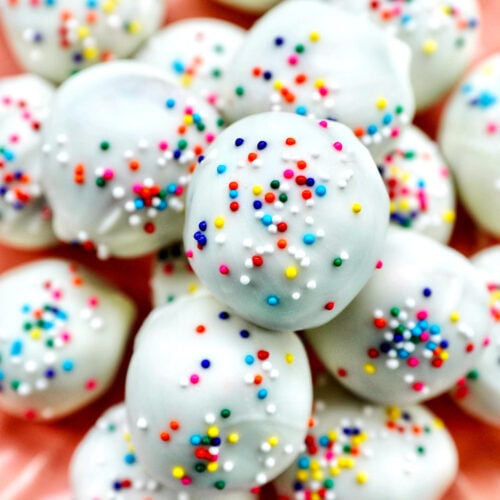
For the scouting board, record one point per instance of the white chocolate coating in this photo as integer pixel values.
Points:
(63, 331)
(119, 147)
(196, 53)
(25, 217)
(215, 402)
(419, 324)
(58, 38)
(355, 450)
(293, 223)
(478, 393)
(172, 276)
(439, 35)
(469, 137)
(419, 184)
(320, 61)
(105, 466)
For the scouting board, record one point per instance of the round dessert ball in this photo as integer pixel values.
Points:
(420, 187)
(196, 53)
(57, 38)
(469, 137)
(285, 219)
(419, 324)
(357, 450)
(25, 217)
(120, 145)
(214, 402)
(63, 333)
(172, 276)
(478, 393)
(439, 36)
(318, 60)
(105, 465)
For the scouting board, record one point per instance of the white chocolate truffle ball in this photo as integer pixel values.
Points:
(57, 38)
(63, 331)
(442, 38)
(215, 402)
(357, 450)
(25, 217)
(119, 147)
(469, 137)
(478, 393)
(105, 466)
(420, 187)
(172, 276)
(196, 53)
(285, 219)
(318, 60)
(419, 324)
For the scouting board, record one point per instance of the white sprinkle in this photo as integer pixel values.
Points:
(271, 409)
(142, 423)
(261, 478)
(209, 418)
(270, 462)
(244, 279)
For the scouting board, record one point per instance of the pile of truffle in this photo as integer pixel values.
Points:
(278, 178)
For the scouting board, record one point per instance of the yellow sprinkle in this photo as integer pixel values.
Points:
(356, 208)
(370, 368)
(319, 83)
(429, 47)
(444, 355)
(392, 207)
(314, 465)
(449, 216)
(289, 358)
(233, 438)
(315, 496)
(314, 36)
(36, 334)
(332, 436)
(212, 466)
(291, 272)
(131, 448)
(257, 190)
(213, 431)
(134, 27)
(393, 412)
(188, 119)
(219, 222)
(438, 423)
(381, 103)
(318, 475)
(178, 472)
(108, 7)
(359, 439)
(302, 475)
(361, 477)
(83, 32)
(346, 462)
(278, 84)
(334, 471)
(186, 80)
(126, 436)
(404, 204)
(90, 53)
(273, 440)
(192, 288)
(454, 317)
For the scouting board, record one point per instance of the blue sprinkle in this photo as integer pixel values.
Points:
(205, 364)
(273, 300)
(427, 292)
(267, 220)
(221, 169)
(223, 315)
(170, 103)
(129, 458)
(257, 205)
(320, 191)
(372, 129)
(301, 110)
(68, 365)
(262, 394)
(309, 239)
(238, 142)
(303, 463)
(249, 359)
(261, 145)
(16, 348)
(195, 439)
(178, 66)
(244, 334)
(202, 225)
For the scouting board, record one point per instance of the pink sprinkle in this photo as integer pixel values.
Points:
(323, 123)
(56, 294)
(288, 174)
(418, 386)
(179, 190)
(186, 481)
(188, 110)
(395, 132)
(224, 269)
(93, 301)
(108, 174)
(422, 314)
(379, 264)
(323, 91)
(136, 188)
(412, 362)
(7, 101)
(14, 138)
(329, 455)
(189, 254)
(163, 145)
(338, 146)
(209, 137)
(293, 60)
(486, 341)
(424, 336)
(212, 99)
(91, 384)
(491, 127)
(194, 379)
